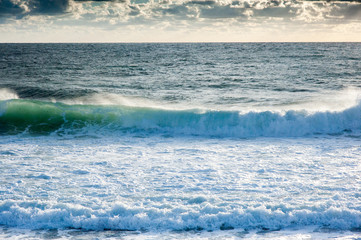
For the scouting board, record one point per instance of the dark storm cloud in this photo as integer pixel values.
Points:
(39, 7)
(32, 7)
(7, 7)
(49, 6)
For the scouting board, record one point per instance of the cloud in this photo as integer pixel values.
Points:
(8, 8)
(189, 9)
(346, 11)
(123, 18)
(207, 3)
(20, 8)
(49, 6)
(100, 1)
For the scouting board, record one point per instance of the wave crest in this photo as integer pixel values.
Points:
(19, 116)
(6, 94)
(43, 215)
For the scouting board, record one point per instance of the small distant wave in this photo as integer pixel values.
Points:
(47, 215)
(38, 117)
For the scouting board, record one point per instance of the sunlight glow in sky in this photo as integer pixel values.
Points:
(179, 21)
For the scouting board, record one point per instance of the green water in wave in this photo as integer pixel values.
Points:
(45, 117)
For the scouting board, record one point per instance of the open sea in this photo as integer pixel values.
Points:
(180, 141)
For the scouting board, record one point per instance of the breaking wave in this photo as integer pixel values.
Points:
(39, 117)
(43, 215)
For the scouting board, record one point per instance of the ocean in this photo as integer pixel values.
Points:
(180, 141)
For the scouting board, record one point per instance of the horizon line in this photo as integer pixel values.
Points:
(178, 42)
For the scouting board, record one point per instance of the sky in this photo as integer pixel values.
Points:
(179, 21)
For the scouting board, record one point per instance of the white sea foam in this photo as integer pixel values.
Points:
(50, 215)
(6, 94)
(166, 184)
